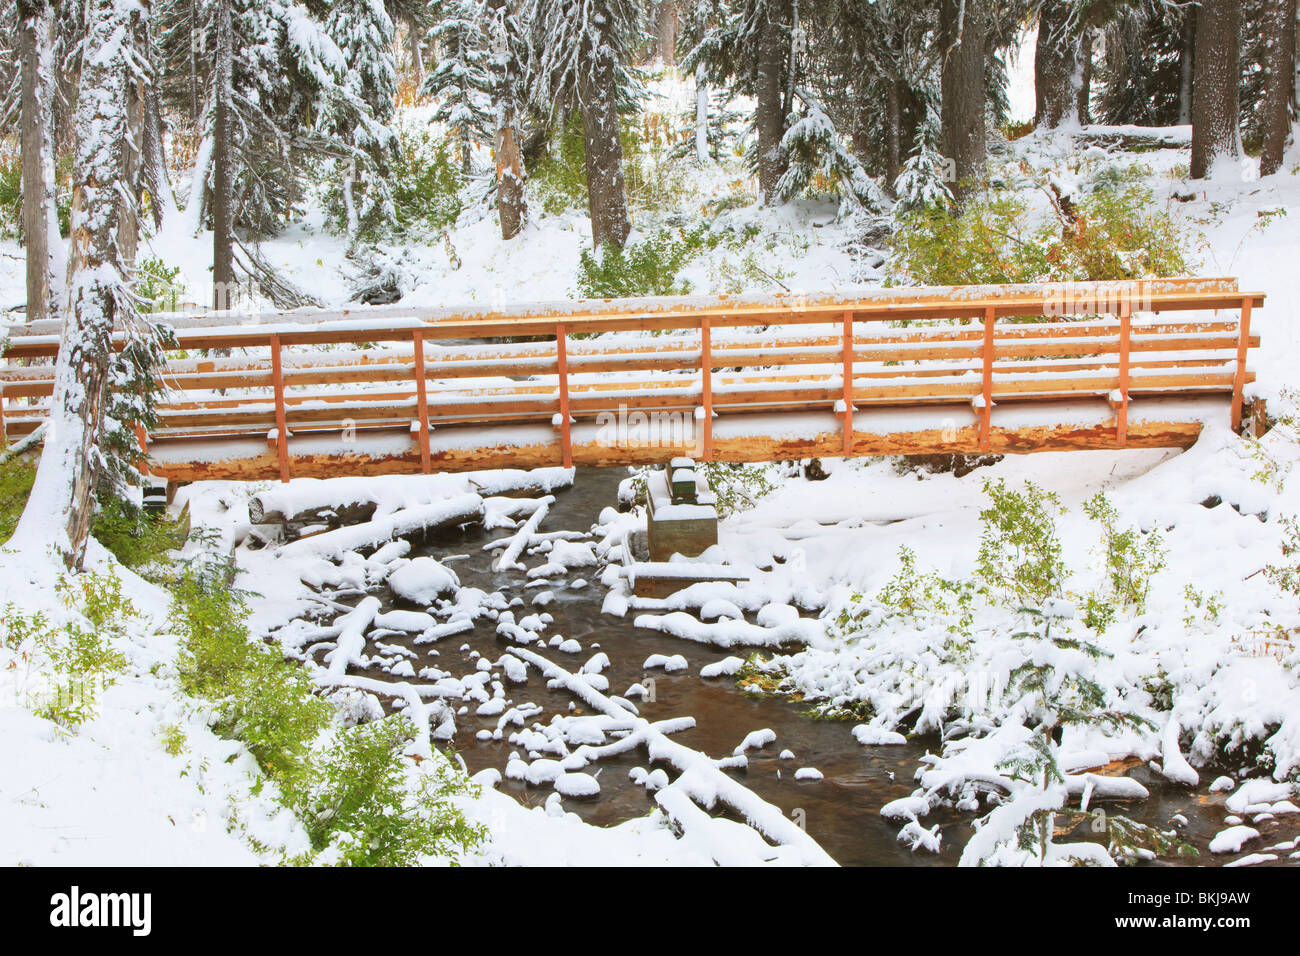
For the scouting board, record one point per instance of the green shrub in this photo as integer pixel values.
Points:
(11, 196)
(83, 660)
(648, 267)
(737, 487)
(157, 286)
(1115, 233)
(260, 698)
(1020, 553)
(1132, 558)
(362, 806)
(559, 176)
(425, 180)
(16, 478)
(913, 592)
(140, 540)
(352, 796)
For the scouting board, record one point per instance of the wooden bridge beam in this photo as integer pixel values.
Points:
(1121, 407)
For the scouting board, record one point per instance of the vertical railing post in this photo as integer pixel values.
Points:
(1239, 380)
(142, 439)
(421, 399)
(4, 429)
(281, 429)
(847, 374)
(562, 369)
(1121, 407)
(986, 389)
(706, 387)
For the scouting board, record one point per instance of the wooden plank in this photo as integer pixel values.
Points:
(706, 388)
(986, 387)
(562, 371)
(281, 429)
(1239, 381)
(422, 400)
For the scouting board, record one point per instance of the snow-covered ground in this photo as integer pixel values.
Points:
(114, 791)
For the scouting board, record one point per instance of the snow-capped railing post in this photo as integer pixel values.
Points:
(1121, 406)
(1243, 345)
(281, 429)
(986, 389)
(562, 370)
(848, 383)
(421, 399)
(706, 388)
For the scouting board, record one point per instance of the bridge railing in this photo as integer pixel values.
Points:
(316, 373)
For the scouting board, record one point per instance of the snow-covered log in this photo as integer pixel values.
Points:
(453, 511)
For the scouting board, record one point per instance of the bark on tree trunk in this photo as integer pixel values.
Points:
(1083, 85)
(40, 221)
(1056, 62)
(606, 193)
(60, 508)
(962, 35)
(701, 115)
(666, 32)
(1279, 67)
(1186, 66)
(893, 132)
(1216, 133)
(769, 116)
(511, 206)
(223, 215)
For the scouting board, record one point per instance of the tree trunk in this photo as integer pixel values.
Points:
(701, 116)
(769, 115)
(962, 34)
(40, 219)
(893, 132)
(1216, 132)
(1186, 66)
(223, 213)
(666, 32)
(1279, 76)
(60, 508)
(606, 194)
(1083, 79)
(512, 209)
(1056, 65)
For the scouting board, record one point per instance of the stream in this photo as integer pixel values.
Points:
(841, 811)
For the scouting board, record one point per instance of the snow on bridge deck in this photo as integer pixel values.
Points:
(1006, 369)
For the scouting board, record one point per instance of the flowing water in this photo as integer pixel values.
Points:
(841, 812)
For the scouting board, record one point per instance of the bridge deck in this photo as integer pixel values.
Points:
(988, 368)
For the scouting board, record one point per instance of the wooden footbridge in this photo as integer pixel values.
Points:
(395, 389)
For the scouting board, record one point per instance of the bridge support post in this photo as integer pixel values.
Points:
(562, 370)
(706, 388)
(986, 388)
(281, 429)
(4, 430)
(1121, 407)
(421, 399)
(1239, 380)
(142, 439)
(848, 383)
